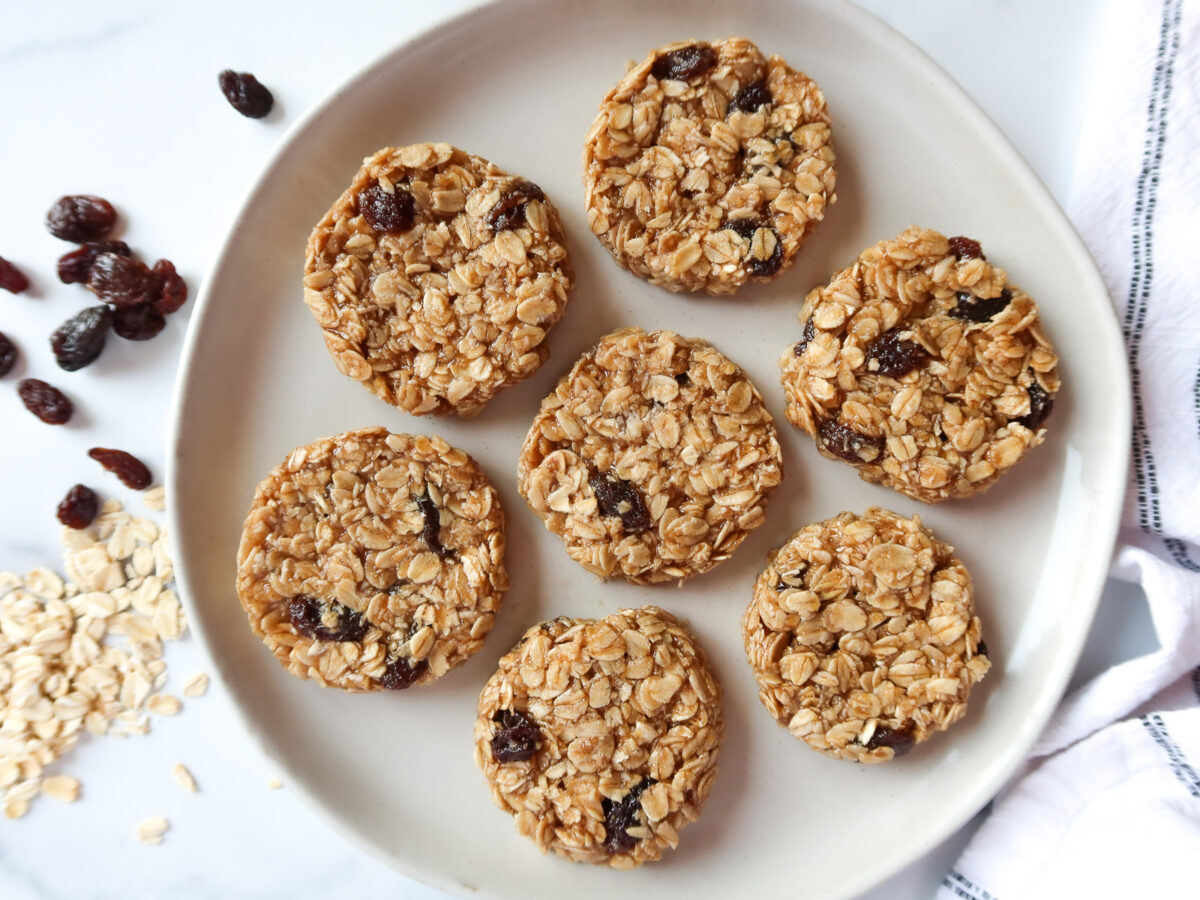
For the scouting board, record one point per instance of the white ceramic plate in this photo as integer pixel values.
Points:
(519, 82)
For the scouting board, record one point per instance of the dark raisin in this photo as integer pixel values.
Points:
(782, 585)
(121, 280)
(73, 267)
(398, 586)
(245, 93)
(433, 524)
(516, 738)
(81, 217)
(401, 673)
(170, 291)
(11, 278)
(682, 378)
(509, 211)
(979, 309)
(685, 63)
(846, 443)
(966, 248)
(620, 498)
(138, 323)
(79, 508)
(763, 268)
(131, 470)
(901, 740)
(981, 649)
(307, 615)
(621, 816)
(8, 355)
(894, 356)
(1040, 406)
(750, 98)
(388, 211)
(809, 334)
(78, 341)
(45, 401)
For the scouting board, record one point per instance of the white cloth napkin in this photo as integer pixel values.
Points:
(1113, 810)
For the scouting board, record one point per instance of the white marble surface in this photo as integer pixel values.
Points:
(120, 99)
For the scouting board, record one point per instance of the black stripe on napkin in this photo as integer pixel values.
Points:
(1179, 762)
(968, 890)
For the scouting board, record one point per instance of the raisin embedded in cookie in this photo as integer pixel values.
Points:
(923, 367)
(436, 278)
(653, 459)
(708, 166)
(372, 560)
(862, 635)
(600, 737)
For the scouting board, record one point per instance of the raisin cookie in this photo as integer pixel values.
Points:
(708, 165)
(436, 277)
(653, 459)
(601, 736)
(923, 367)
(372, 560)
(862, 635)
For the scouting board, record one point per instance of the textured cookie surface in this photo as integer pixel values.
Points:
(923, 367)
(708, 165)
(436, 277)
(372, 561)
(862, 635)
(601, 736)
(653, 459)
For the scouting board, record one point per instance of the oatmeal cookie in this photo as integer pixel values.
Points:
(601, 736)
(436, 277)
(708, 165)
(653, 459)
(923, 367)
(372, 560)
(862, 635)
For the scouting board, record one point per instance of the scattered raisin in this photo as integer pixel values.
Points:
(809, 334)
(170, 291)
(78, 341)
(685, 63)
(846, 443)
(509, 211)
(131, 470)
(894, 356)
(8, 355)
(901, 740)
(433, 524)
(764, 268)
(388, 211)
(306, 613)
(245, 93)
(45, 401)
(11, 278)
(80, 218)
(517, 737)
(981, 649)
(79, 508)
(138, 323)
(620, 498)
(1040, 405)
(619, 817)
(401, 673)
(750, 98)
(979, 309)
(966, 248)
(73, 267)
(121, 280)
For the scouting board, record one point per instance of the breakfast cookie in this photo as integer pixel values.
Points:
(708, 165)
(601, 736)
(372, 560)
(653, 459)
(436, 277)
(862, 635)
(923, 367)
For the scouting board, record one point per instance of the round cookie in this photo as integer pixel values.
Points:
(373, 561)
(435, 278)
(923, 367)
(708, 165)
(653, 459)
(601, 736)
(862, 635)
